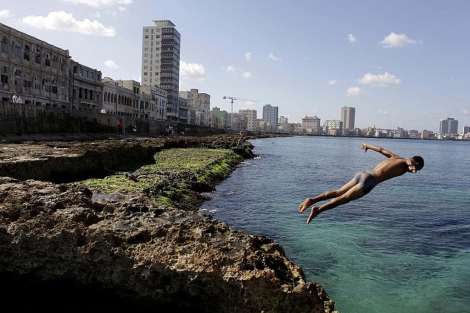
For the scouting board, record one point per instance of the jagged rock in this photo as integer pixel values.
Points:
(65, 244)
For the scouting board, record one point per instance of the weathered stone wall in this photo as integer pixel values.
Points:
(34, 119)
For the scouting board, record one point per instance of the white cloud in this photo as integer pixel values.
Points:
(396, 40)
(384, 113)
(66, 22)
(110, 64)
(332, 82)
(465, 112)
(230, 69)
(95, 14)
(273, 57)
(379, 80)
(100, 3)
(192, 70)
(4, 13)
(355, 92)
(248, 56)
(352, 38)
(246, 74)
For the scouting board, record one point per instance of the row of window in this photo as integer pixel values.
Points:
(28, 55)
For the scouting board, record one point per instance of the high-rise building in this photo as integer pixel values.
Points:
(449, 126)
(161, 62)
(251, 119)
(348, 115)
(270, 115)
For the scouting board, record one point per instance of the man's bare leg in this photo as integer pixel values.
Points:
(326, 195)
(352, 194)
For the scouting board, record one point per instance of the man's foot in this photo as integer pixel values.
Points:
(313, 213)
(305, 205)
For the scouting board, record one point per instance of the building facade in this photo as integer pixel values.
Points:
(117, 100)
(311, 125)
(39, 72)
(270, 116)
(333, 127)
(161, 62)
(85, 87)
(251, 119)
(449, 126)
(348, 116)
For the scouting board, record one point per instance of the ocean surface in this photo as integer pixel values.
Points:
(404, 247)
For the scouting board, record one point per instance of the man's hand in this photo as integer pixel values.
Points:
(364, 147)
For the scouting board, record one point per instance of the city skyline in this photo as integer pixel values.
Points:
(393, 63)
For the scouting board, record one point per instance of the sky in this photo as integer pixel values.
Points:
(399, 63)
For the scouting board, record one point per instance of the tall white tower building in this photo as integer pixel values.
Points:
(270, 115)
(161, 62)
(348, 115)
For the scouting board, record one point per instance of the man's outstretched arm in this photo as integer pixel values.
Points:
(385, 152)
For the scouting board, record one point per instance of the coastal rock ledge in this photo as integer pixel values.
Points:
(69, 246)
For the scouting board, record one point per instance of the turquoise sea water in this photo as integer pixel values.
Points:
(405, 247)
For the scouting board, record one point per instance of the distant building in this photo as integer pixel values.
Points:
(270, 116)
(251, 119)
(333, 127)
(85, 87)
(198, 106)
(161, 62)
(449, 126)
(311, 125)
(348, 116)
(219, 118)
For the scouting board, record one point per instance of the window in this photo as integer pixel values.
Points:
(16, 53)
(54, 61)
(47, 61)
(26, 52)
(37, 56)
(4, 45)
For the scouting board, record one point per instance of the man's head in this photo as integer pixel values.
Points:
(415, 164)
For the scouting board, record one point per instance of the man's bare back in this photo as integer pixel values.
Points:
(390, 168)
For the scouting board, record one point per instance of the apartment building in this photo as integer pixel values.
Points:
(311, 125)
(161, 62)
(198, 107)
(85, 87)
(449, 126)
(37, 70)
(270, 115)
(251, 119)
(348, 116)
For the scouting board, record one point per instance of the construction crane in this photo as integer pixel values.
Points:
(231, 111)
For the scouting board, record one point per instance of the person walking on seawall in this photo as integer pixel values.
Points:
(240, 140)
(14, 98)
(364, 181)
(119, 127)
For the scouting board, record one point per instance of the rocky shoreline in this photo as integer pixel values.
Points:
(76, 235)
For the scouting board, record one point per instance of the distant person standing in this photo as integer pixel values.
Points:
(15, 97)
(119, 127)
(240, 140)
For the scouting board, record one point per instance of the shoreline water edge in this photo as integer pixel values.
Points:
(114, 224)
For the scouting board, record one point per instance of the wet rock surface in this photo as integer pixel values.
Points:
(70, 246)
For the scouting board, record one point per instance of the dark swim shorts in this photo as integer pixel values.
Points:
(366, 180)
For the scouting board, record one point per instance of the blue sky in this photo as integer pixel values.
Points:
(399, 63)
